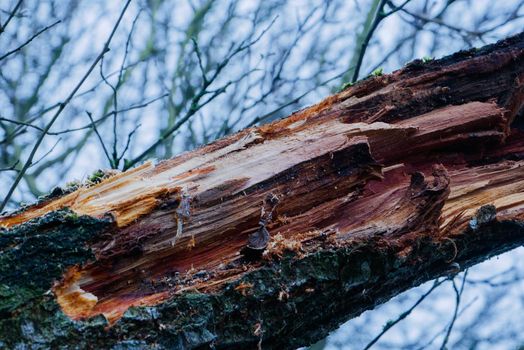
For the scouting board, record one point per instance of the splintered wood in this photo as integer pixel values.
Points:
(418, 151)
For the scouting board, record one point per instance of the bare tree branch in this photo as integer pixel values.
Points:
(405, 314)
(9, 53)
(10, 17)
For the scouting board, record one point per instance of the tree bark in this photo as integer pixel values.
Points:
(275, 235)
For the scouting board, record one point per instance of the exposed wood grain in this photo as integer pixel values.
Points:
(425, 154)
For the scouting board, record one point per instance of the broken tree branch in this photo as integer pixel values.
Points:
(397, 180)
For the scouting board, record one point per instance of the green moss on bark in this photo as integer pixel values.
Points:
(35, 254)
(32, 257)
(292, 302)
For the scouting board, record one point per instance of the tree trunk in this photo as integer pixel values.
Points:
(275, 235)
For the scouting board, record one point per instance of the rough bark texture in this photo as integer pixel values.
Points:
(277, 234)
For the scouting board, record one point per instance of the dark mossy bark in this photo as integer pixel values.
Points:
(291, 301)
(32, 257)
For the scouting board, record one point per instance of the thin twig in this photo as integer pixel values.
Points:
(405, 314)
(16, 122)
(11, 15)
(95, 129)
(48, 152)
(458, 295)
(11, 168)
(126, 147)
(29, 40)
(443, 330)
(199, 57)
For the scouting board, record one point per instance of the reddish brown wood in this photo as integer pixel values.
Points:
(409, 155)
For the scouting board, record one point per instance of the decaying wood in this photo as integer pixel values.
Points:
(276, 234)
